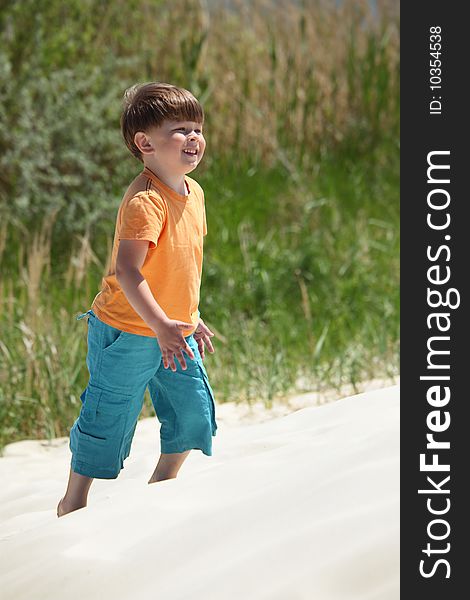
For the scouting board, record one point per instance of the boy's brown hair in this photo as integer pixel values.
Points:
(147, 105)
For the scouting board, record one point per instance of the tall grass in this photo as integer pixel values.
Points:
(281, 83)
(300, 278)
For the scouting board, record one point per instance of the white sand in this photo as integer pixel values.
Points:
(297, 507)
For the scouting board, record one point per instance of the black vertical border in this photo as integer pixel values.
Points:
(420, 134)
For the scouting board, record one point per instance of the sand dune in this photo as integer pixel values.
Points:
(303, 506)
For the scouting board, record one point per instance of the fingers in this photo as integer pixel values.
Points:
(202, 339)
(180, 357)
(168, 359)
(203, 335)
(200, 345)
(189, 352)
(203, 329)
(208, 343)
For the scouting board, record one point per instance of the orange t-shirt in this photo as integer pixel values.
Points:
(175, 226)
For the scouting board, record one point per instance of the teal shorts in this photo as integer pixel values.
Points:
(122, 365)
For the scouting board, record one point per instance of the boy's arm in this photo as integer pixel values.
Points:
(130, 258)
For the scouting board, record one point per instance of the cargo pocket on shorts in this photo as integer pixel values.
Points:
(210, 394)
(101, 425)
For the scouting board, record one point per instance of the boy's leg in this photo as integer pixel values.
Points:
(76, 494)
(184, 404)
(168, 466)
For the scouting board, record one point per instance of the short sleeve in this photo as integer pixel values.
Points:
(143, 218)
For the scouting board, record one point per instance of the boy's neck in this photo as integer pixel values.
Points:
(175, 182)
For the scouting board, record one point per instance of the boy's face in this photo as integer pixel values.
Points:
(176, 147)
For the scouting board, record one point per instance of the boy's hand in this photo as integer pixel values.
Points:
(202, 336)
(171, 340)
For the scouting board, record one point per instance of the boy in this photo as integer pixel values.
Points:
(145, 317)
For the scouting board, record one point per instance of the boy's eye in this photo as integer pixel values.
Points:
(184, 129)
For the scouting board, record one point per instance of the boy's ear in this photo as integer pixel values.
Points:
(143, 143)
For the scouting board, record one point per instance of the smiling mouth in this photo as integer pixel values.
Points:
(190, 152)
